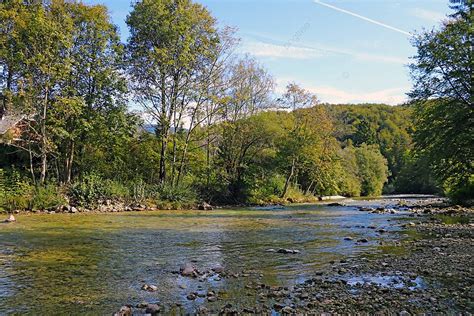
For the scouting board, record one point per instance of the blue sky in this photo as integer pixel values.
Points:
(345, 51)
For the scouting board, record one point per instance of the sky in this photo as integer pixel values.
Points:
(344, 51)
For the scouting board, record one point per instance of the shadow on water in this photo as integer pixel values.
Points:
(79, 264)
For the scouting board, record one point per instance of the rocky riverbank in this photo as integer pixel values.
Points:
(431, 272)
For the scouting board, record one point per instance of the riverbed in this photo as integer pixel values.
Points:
(95, 263)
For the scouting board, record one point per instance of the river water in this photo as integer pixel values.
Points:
(95, 263)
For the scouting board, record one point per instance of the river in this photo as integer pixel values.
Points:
(95, 263)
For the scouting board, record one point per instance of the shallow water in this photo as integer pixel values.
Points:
(94, 263)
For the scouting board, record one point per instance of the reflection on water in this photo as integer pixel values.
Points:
(390, 281)
(95, 263)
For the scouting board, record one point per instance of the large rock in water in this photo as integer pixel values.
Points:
(124, 311)
(10, 219)
(205, 206)
(188, 270)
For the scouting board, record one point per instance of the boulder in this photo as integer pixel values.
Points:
(124, 311)
(205, 207)
(218, 269)
(188, 270)
(10, 219)
(153, 309)
(335, 204)
(292, 251)
(149, 288)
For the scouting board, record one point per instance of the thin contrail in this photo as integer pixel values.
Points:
(362, 17)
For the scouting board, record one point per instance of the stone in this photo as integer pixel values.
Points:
(124, 311)
(202, 310)
(10, 219)
(73, 209)
(153, 309)
(149, 288)
(218, 269)
(290, 251)
(363, 240)
(287, 310)
(205, 207)
(191, 296)
(348, 238)
(188, 270)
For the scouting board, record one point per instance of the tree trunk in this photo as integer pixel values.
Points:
(69, 162)
(288, 179)
(164, 144)
(308, 189)
(32, 170)
(44, 143)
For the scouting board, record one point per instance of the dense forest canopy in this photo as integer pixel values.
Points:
(219, 133)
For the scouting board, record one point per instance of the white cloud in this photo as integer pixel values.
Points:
(261, 49)
(428, 15)
(331, 94)
(290, 51)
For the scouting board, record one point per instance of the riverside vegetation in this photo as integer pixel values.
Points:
(212, 130)
(219, 133)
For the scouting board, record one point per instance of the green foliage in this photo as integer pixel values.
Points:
(266, 189)
(416, 176)
(92, 188)
(46, 197)
(389, 127)
(181, 194)
(66, 56)
(373, 171)
(442, 73)
(15, 191)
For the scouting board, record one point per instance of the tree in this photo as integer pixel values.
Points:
(169, 40)
(303, 129)
(34, 55)
(61, 67)
(373, 171)
(249, 89)
(442, 75)
(296, 97)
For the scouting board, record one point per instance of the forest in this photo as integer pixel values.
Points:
(175, 116)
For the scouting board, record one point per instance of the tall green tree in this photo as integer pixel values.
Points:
(442, 75)
(169, 41)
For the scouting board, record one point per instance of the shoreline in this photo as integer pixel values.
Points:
(436, 203)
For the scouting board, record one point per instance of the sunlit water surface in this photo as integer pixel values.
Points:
(94, 263)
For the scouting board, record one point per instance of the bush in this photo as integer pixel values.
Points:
(92, 188)
(266, 190)
(180, 193)
(46, 197)
(462, 194)
(373, 170)
(15, 191)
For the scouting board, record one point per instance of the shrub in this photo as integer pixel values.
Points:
(92, 188)
(46, 197)
(180, 193)
(15, 191)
